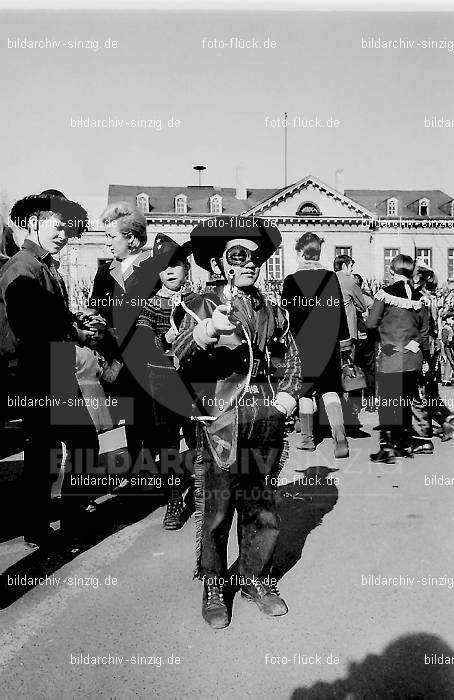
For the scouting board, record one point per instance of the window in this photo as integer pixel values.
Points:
(451, 264)
(343, 250)
(389, 254)
(308, 209)
(181, 206)
(216, 204)
(275, 266)
(392, 207)
(424, 207)
(425, 254)
(143, 202)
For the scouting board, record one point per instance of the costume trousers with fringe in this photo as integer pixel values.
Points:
(249, 487)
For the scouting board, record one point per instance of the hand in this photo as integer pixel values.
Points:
(220, 322)
(111, 372)
(425, 367)
(86, 337)
(171, 335)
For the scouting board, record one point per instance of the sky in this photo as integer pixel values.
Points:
(227, 100)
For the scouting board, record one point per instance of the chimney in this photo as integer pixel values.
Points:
(339, 180)
(241, 192)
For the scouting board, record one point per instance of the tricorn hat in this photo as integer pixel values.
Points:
(210, 237)
(166, 250)
(50, 200)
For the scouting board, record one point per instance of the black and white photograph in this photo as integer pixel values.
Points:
(226, 350)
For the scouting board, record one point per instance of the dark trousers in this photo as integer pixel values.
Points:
(396, 393)
(365, 358)
(428, 405)
(42, 464)
(249, 487)
(160, 413)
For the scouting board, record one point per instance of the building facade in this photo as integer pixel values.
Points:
(372, 226)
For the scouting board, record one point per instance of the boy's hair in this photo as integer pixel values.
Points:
(403, 265)
(359, 279)
(310, 245)
(340, 261)
(130, 219)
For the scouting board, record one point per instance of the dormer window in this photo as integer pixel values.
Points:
(424, 207)
(181, 204)
(216, 204)
(392, 207)
(143, 202)
(308, 209)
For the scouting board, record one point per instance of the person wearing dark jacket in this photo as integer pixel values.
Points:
(224, 353)
(429, 407)
(401, 324)
(121, 288)
(170, 403)
(313, 300)
(39, 329)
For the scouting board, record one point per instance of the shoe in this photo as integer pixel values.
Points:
(356, 431)
(404, 451)
(387, 453)
(173, 519)
(214, 609)
(266, 596)
(447, 429)
(403, 444)
(423, 447)
(305, 442)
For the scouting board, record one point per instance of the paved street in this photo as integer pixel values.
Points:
(350, 632)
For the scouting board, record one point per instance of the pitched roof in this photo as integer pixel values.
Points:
(376, 201)
(289, 191)
(162, 199)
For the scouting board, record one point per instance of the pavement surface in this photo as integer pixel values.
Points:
(366, 564)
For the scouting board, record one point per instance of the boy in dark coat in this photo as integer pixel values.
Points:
(224, 352)
(37, 323)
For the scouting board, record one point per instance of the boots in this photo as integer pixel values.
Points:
(387, 453)
(214, 609)
(266, 596)
(333, 410)
(173, 518)
(403, 443)
(422, 446)
(306, 439)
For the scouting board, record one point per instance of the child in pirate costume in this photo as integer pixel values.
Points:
(169, 405)
(223, 352)
(398, 317)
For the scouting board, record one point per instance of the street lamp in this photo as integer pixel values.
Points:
(199, 168)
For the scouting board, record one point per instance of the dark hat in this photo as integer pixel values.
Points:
(166, 251)
(210, 237)
(50, 200)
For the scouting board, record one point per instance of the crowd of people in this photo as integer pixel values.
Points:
(207, 382)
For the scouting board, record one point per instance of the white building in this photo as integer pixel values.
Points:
(372, 226)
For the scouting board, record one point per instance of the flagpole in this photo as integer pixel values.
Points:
(285, 149)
